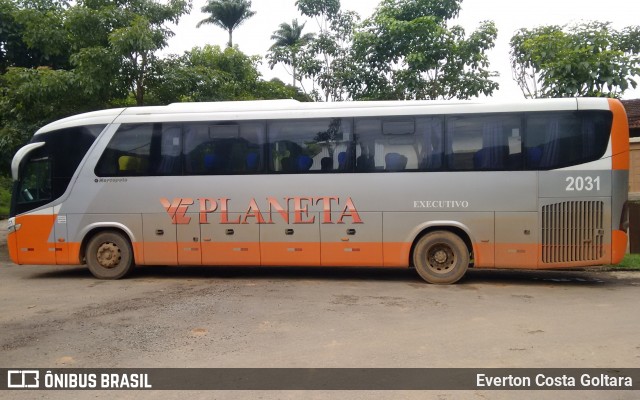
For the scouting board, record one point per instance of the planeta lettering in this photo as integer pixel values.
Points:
(295, 210)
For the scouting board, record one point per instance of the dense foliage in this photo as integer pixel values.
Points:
(590, 59)
(408, 50)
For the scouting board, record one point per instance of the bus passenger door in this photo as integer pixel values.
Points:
(294, 244)
(189, 247)
(159, 235)
(230, 243)
(345, 243)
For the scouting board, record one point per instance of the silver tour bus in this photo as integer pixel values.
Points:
(436, 186)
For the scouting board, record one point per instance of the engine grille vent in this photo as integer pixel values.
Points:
(572, 231)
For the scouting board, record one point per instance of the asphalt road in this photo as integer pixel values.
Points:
(55, 317)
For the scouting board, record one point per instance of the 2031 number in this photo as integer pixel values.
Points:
(579, 183)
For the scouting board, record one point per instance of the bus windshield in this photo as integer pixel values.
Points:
(44, 173)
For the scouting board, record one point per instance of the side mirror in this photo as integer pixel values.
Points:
(19, 156)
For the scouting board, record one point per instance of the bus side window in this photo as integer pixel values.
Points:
(142, 150)
(479, 143)
(366, 131)
(430, 143)
(223, 147)
(128, 152)
(390, 144)
(302, 146)
(170, 148)
(556, 140)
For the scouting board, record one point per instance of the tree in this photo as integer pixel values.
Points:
(31, 34)
(129, 34)
(325, 60)
(213, 74)
(589, 59)
(289, 43)
(407, 50)
(227, 14)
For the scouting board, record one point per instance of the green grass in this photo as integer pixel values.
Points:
(5, 196)
(631, 262)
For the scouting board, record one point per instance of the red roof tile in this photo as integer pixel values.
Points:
(633, 112)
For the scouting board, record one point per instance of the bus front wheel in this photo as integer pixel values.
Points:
(109, 255)
(441, 257)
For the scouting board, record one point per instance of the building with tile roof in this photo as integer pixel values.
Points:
(633, 113)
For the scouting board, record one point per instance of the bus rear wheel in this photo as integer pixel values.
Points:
(441, 257)
(109, 255)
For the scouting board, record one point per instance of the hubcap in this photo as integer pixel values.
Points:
(108, 255)
(440, 258)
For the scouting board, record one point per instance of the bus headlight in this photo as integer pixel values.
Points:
(11, 225)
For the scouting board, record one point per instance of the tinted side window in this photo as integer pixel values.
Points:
(67, 147)
(476, 143)
(224, 148)
(556, 140)
(142, 150)
(430, 143)
(399, 144)
(301, 146)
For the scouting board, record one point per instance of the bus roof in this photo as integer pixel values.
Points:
(280, 109)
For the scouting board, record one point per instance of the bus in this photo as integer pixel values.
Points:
(440, 187)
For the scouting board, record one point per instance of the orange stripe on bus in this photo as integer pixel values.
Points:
(529, 256)
(516, 255)
(138, 253)
(619, 136)
(290, 253)
(486, 255)
(73, 250)
(160, 253)
(396, 254)
(483, 255)
(32, 244)
(230, 253)
(351, 254)
(618, 246)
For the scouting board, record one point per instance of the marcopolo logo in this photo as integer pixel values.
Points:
(23, 379)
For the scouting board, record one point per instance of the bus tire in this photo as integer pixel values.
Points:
(109, 255)
(441, 257)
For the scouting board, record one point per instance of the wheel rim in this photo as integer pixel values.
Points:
(108, 255)
(441, 258)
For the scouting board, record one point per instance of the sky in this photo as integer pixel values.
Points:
(253, 37)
